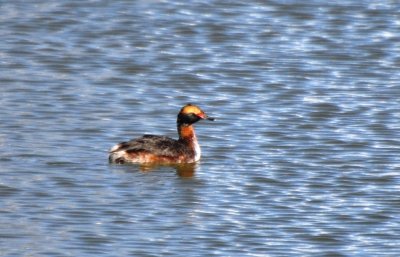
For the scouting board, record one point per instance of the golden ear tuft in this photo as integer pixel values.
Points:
(190, 108)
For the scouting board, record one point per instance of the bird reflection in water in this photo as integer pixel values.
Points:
(186, 170)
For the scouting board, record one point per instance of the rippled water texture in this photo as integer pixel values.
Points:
(303, 159)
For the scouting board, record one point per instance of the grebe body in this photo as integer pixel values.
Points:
(161, 149)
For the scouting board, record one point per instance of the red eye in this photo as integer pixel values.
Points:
(201, 115)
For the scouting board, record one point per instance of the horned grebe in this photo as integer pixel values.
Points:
(161, 149)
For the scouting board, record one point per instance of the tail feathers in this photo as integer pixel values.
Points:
(117, 157)
(117, 147)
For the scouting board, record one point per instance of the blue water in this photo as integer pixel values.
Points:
(303, 159)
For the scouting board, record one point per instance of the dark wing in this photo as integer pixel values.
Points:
(159, 145)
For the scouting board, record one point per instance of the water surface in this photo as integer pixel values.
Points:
(303, 159)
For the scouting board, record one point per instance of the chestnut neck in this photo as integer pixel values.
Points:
(186, 133)
(188, 138)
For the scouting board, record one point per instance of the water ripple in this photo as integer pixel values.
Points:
(302, 160)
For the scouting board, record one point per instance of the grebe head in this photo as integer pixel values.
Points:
(190, 114)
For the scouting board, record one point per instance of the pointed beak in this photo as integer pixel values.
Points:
(205, 117)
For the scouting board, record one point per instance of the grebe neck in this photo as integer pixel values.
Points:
(188, 137)
(186, 132)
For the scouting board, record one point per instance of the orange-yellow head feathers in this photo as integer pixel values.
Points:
(191, 113)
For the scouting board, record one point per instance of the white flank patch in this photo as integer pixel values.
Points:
(197, 151)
